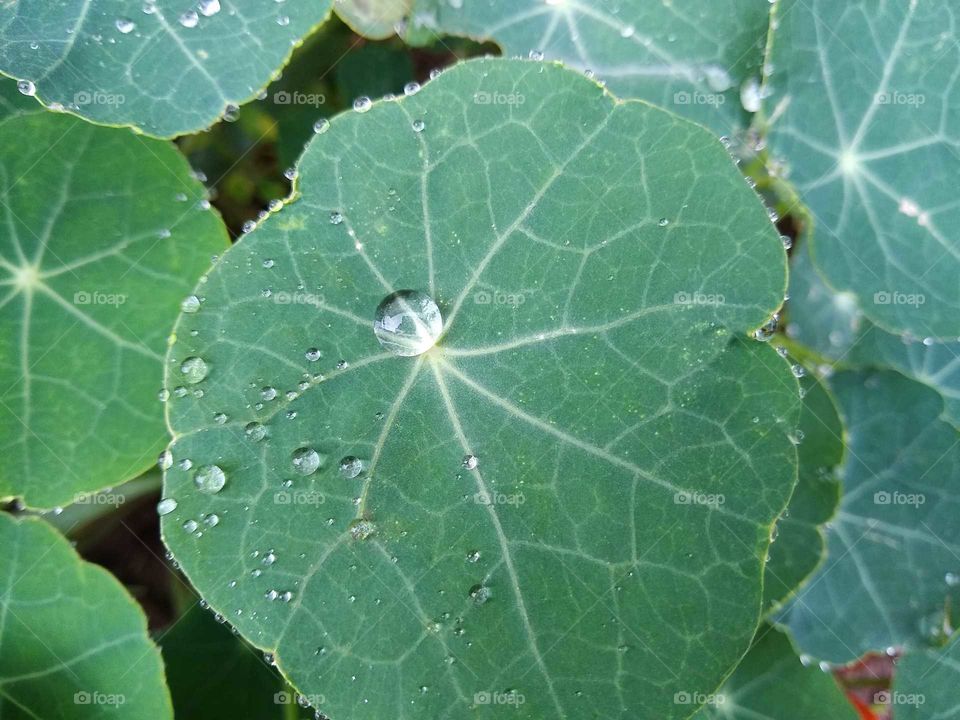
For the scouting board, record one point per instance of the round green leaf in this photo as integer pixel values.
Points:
(566, 502)
(863, 96)
(166, 68)
(73, 643)
(892, 562)
(690, 56)
(103, 235)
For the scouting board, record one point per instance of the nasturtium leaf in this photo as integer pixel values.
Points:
(166, 68)
(690, 56)
(892, 563)
(564, 503)
(214, 675)
(772, 682)
(864, 100)
(103, 234)
(800, 543)
(925, 684)
(73, 643)
(832, 324)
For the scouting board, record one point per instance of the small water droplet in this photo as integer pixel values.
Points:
(211, 520)
(189, 19)
(190, 526)
(209, 479)
(351, 467)
(321, 126)
(470, 462)
(268, 393)
(480, 594)
(313, 354)
(209, 7)
(165, 460)
(418, 125)
(361, 529)
(408, 322)
(194, 369)
(473, 556)
(125, 25)
(411, 88)
(362, 104)
(26, 87)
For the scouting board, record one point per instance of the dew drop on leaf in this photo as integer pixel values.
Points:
(480, 594)
(351, 466)
(166, 506)
(255, 431)
(190, 304)
(209, 7)
(408, 322)
(361, 529)
(210, 479)
(194, 369)
(189, 19)
(26, 87)
(470, 462)
(305, 460)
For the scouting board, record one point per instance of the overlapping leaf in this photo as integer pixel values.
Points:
(892, 563)
(772, 682)
(166, 68)
(864, 96)
(103, 234)
(214, 675)
(832, 324)
(687, 55)
(800, 544)
(925, 685)
(73, 643)
(567, 502)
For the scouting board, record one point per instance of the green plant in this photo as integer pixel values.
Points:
(498, 401)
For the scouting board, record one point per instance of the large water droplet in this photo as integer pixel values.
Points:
(166, 506)
(194, 369)
(210, 479)
(408, 322)
(255, 431)
(209, 7)
(305, 460)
